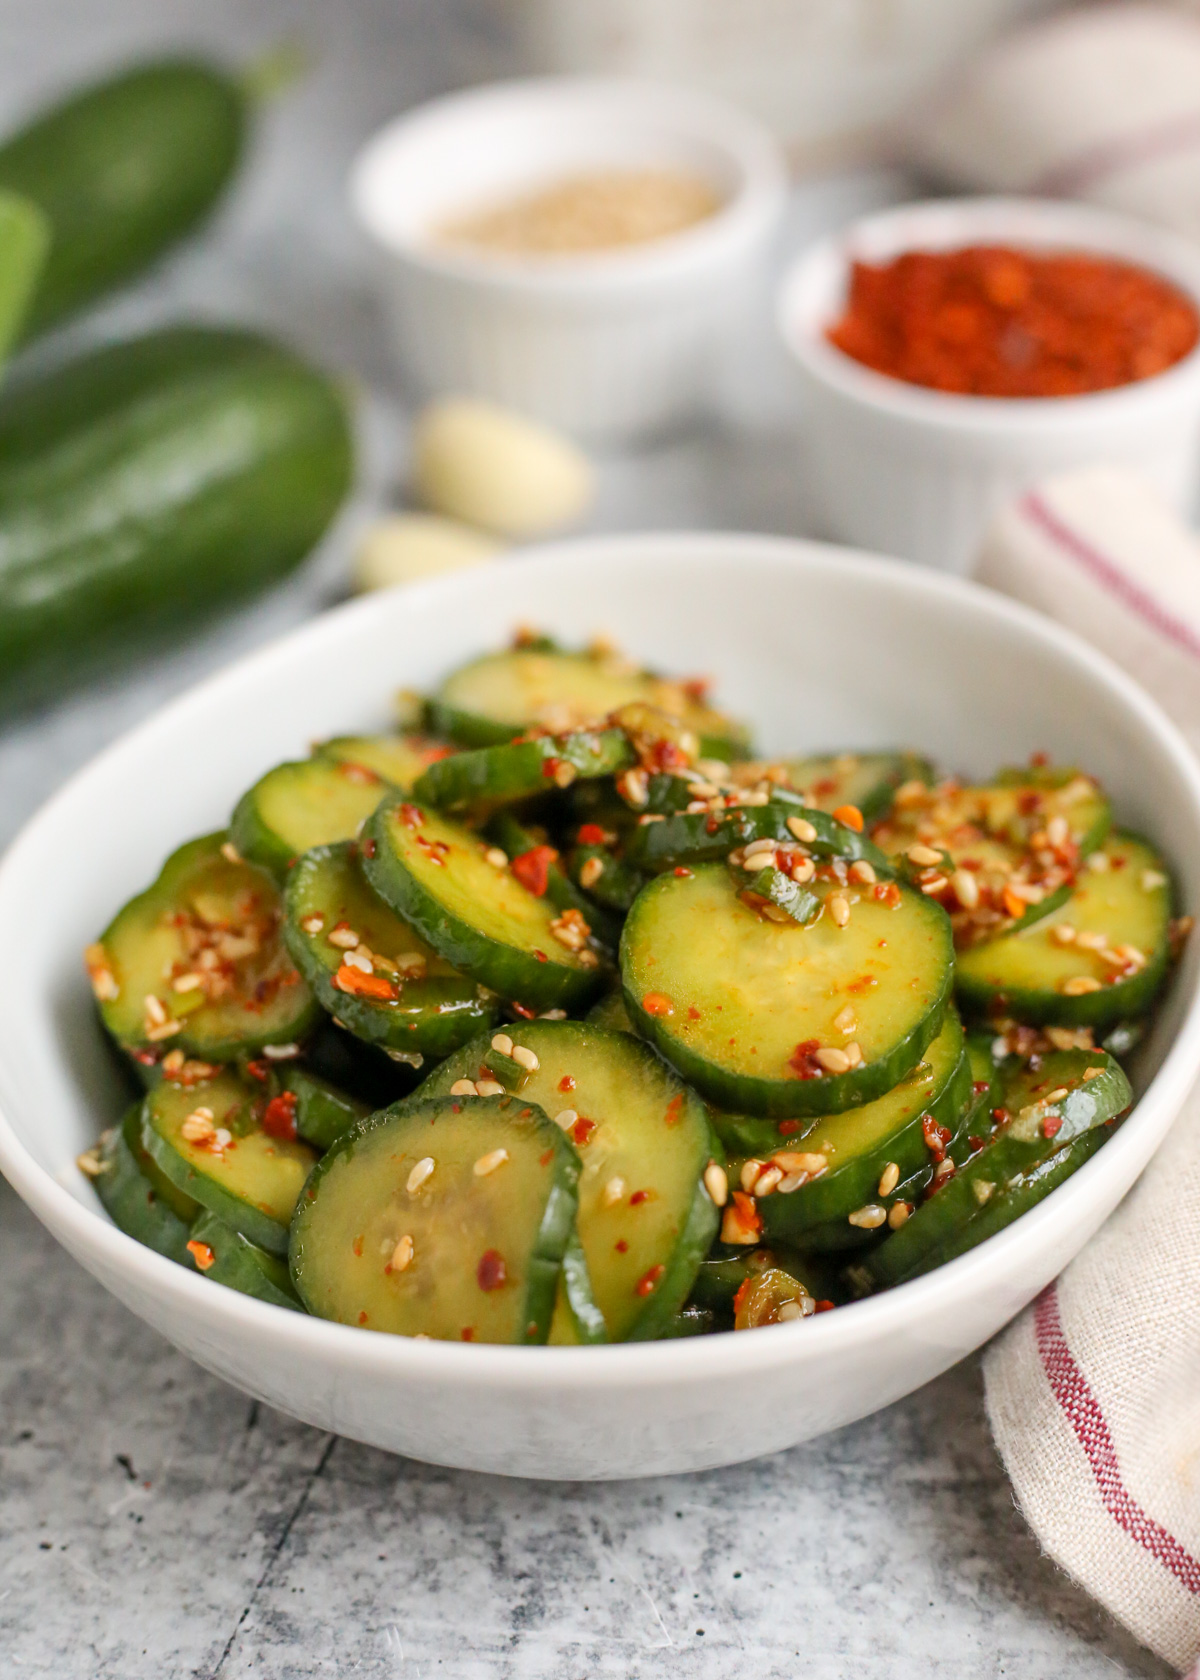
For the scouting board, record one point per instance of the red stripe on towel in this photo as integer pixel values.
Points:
(1110, 575)
(1073, 1393)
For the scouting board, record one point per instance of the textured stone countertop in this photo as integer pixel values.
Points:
(155, 1523)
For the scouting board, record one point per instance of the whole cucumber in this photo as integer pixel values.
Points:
(122, 171)
(148, 485)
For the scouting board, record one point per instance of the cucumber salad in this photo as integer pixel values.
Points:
(562, 1018)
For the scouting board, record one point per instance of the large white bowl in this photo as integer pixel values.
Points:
(819, 648)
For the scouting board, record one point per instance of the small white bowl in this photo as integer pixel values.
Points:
(818, 648)
(919, 473)
(612, 344)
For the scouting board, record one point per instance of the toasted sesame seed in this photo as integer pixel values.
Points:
(313, 923)
(1092, 1073)
(412, 964)
(868, 1218)
(230, 852)
(833, 1060)
(966, 888)
(803, 1161)
(1058, 1094)
(839, 909)
(982, 1190)
(791, 1182)
(165, 1029)
(566, 1118)
(1064, 934)
(89, 1163)
(789, 1312)
(525, 1056)
(488, 1163)
(613, 1192)
(488, 1088)
(634, 787)
(1152, 878)
(497, 858)
(749, 1174)
(419, 1174)
(1098, 863)
(923, 856)
(803, 870)
(934, 884)
(1087, 940)
(187, 983)
(716, 1182)
(222, 1137)
(280, 1052)
(854, 1052)
(156, 1014)
(464, 1088)
(553, 1015)
(503, 1043)
(1057, 831)
(861, 870)
(767, 1181)
(898, 1214)
(1079, 985)
(402, 1255)
(591, 871)
(359, 959)
(1132, 955)
(802, 829)
(198, 1126)
(889, 1178)
(845, 1020)
(343, 936)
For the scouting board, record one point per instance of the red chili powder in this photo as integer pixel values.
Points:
(992, 322)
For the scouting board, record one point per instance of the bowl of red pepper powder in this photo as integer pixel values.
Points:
(953, 353)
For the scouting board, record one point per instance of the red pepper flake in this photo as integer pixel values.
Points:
(357, 1246)
(621, 1246)
(279, 1117)
(1028, 802)
(545, 1160)
(581, 1130)
(362, 1318)
(259, 1071)
(375, 986)
(566, 1083)
(682, 872)
(358, 773)
(541, 956)
(887, 892)
(936, 1137)
(696, 689)
(369, 848)
(979, 1087)
(712, 823)
(655, 1003)
(974, 1144)
(146, 1058)
(202, 1254)
(693, 1012)
(1001, 1116)
(491, 1272)
(803, 1059)
(824, 1306)
(1039, 760)
(468, 1334)
(788, 1128)
(640, 1196)
(647, 1283)
(411, 816)
(743, 1290)
(747, 1212)
(591, 834)
(674, 1112)
(1052, 1125)
(850, 815)
(523, 1012)
(550, 767)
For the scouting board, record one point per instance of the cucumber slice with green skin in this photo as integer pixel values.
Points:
(703, 837)
(577, 1321)
(725, 1270)
(999, 836)
(740, 1005)
(413, 1000)
(150, 1210)
(210, 918)
(436, 874)
(300, 1104)
(871, 1150)
(477, 782)
(218, 1252)
(770, 890)
(613, 886)
(396, 759)
(611, 1012)
(517, 841)
(243, 1174)
(868, 781)
(372, 1076)
(838, 1236)
(644, 1141)
(1038, 1129)
(296, 806)
(471, 1255)
(1033, 977)
(503, 694)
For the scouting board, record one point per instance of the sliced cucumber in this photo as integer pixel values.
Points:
(606, 879)
(196, 962)
(136, 1196)
(742, 1006)
(1121, 904)
(300, 1104)
(480, 781)
(611, 1012)
(209, 1141)
(437, 875)
(503, 694)
(645, 1220)
(522, 845)
(398, 993)
(1033, 1125)
(295, 806)
(725, 1271)
(397, 759)
(702, 837)
(867, 781)
(577, 1321)
(1017, 843)
(225, 1256)
(440, 1218)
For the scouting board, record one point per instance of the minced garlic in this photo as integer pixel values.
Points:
(594, 212)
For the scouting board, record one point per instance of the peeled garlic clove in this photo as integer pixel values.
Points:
(409, 546)
(484, 464)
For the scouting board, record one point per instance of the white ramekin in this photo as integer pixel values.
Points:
(610, 345)
(919, 473)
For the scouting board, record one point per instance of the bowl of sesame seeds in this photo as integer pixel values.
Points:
(853, 650)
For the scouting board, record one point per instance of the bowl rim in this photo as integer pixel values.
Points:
(754, 206)
(943, 223)
(658, 1364)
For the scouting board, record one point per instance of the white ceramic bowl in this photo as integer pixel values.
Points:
(818, 647)
(919, 473)
(610, 345)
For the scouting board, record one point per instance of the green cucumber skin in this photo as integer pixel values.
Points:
(655, 846)
(122, 171)
(323, 1113)
(129, 1199)
(562, 891)
(258, 1227)
(24, 242)
(239, 1264)
(490, 776)
(503, 969)
(256, 841)
(586, 1316)
(468, 729)
(1123, 1000)
(833, 1197)
(175, 475)
(617, 886)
